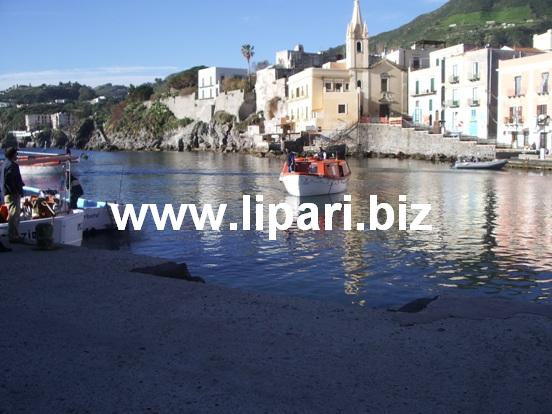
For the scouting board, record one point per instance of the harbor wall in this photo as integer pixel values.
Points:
(385, 139)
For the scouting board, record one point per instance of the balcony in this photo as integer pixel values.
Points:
(515, 94)
(424, 93)
(454, 79)
(453, 104)
(473, 102)
(516, 121)
(474, 77)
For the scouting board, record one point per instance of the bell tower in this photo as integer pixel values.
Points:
(358, 56)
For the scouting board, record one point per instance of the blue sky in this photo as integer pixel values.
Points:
(134, 41)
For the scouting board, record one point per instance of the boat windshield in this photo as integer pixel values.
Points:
(313, 169)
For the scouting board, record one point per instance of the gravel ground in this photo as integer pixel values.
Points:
(80, 333)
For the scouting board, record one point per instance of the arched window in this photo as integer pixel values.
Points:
(359, 84)
(359, 47)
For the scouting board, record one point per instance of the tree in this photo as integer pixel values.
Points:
(248, 51)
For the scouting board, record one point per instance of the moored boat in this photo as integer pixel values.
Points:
(37, 163)
(480, 165)
(98, 215)
(313, 176)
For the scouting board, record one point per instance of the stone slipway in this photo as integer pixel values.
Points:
(80, 333)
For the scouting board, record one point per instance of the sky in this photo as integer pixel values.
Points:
(134, 41)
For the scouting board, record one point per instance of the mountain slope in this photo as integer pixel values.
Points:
(469, 21)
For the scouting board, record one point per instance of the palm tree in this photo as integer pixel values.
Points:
(248, 51)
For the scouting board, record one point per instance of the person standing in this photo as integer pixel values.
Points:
(76, 192)
(4, 249)
(13, 191)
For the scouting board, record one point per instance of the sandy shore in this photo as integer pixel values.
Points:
(80, 333)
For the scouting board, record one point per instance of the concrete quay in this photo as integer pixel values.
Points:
(81, 333)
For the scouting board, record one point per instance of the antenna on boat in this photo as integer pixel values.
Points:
(120, 184)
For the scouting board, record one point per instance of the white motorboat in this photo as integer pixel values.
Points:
(67, 228)
(98, 215)
(480, 165)
(313, 176)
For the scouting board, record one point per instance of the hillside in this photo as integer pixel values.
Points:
(480, 22)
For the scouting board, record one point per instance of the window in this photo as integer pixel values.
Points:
(455, 70)
(359, 47)
(385, 85)
(306, 112)
(328, 87)
(302, 91)
(431, 105)
(417, 104)
(544, 83)
(437, 62)
(210, 81)
(517, 86)
(475, 95)
(542, 110)
(341, 109)
(475, 70)
(432, 84)
(516, 115)
(417, 87)
(455, 97)
(359, 84)
(346, 87)
(338, 87)
(297, 92)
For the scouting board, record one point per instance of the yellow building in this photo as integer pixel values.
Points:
(334, 96)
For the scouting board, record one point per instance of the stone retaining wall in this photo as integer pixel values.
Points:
(385, 139)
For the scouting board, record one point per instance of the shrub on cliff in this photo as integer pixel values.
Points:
(222, 117)
(135, 118)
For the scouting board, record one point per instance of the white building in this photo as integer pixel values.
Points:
(471, 92)
(61, 120)
(37, 121)
(211, 80)
(417, 57)
(427, 87)
(543, 41)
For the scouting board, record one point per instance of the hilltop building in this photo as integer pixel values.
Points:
(298, 59)
(211, 80)
(58, 120)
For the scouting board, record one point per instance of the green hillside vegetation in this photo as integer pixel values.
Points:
(472, 20)
(181, 83)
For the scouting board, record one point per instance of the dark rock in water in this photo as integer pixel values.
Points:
(418, 305)
(170, 270)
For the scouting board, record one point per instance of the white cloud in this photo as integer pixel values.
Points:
(124, 75)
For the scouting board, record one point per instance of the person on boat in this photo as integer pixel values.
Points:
(291, 162)
(76, 192)
(322, 154)
(67, 150)
(13, 191)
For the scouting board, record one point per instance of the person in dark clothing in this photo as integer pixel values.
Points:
(291, 162)
(13, 191)
(76, 192)
(4, 249)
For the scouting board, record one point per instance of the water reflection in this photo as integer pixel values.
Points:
(492, 232)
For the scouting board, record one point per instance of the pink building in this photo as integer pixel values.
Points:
(524, 102)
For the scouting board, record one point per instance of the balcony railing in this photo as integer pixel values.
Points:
(424, 93)
(515, 94)
(474, 77)
(473, 102)
(453, 104)
(513, 121)
(454, 79)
